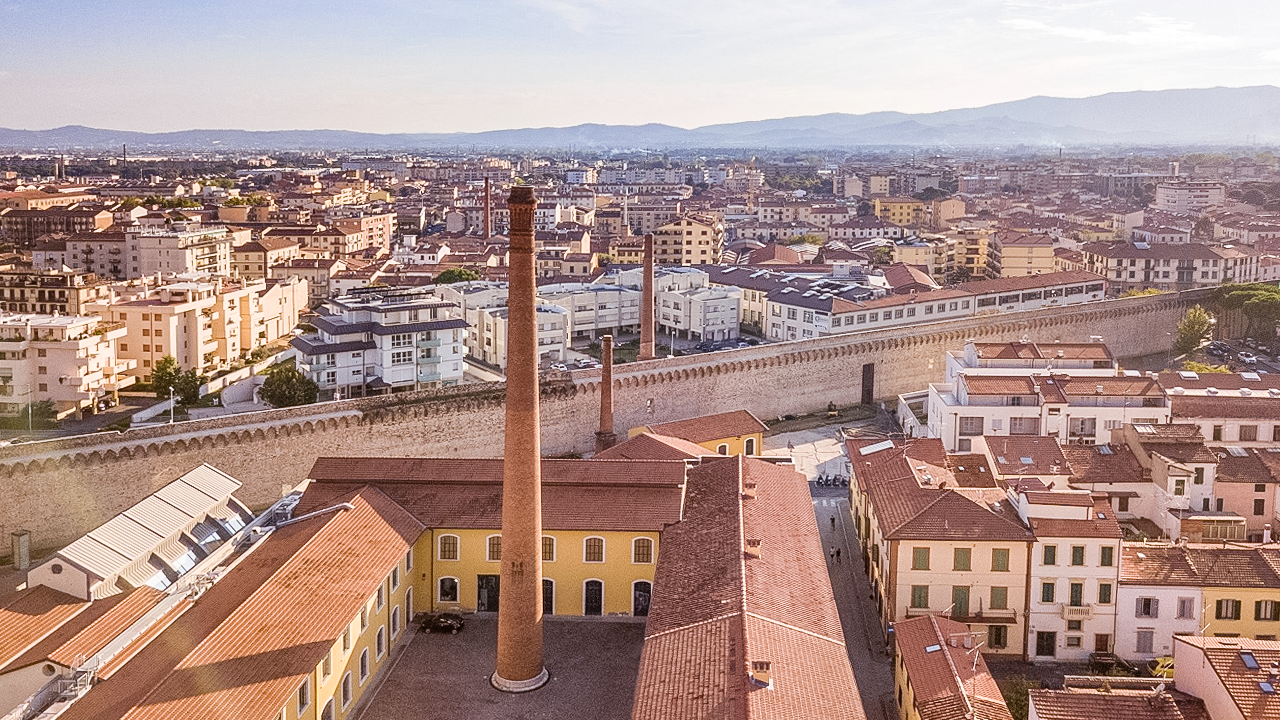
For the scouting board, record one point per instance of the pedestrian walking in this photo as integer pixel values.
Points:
(833, 522)
(832, 553)
(837, 554)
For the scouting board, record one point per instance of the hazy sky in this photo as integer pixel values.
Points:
(437, 66)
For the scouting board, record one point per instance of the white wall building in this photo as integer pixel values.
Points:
(69, 360)
(379, 340)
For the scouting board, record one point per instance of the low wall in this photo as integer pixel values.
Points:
(60, 489)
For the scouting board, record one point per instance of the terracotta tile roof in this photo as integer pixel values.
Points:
(999, 384)
(971, 470)
(1221, 381)
(1010, 452)
(30, 616)
(1225, 406)
(243, 648)
(1102, 525)
(1240, 683)
(1114, 702)
(467, 493)
(715, 609)
(1030, 282)
(647, 446)
(952, 516)
(1089, 464)
(736, 423)
(1035, 351)
(89, 631)
(1255, 465)
(1200, 565)
(949, 682)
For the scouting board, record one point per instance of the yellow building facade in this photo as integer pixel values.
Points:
(1251, 612)
(899, 211)
(584, 572)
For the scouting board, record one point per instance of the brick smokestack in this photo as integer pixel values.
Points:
(488, 211)
(646, 302)
(520, 666)
(605, 437)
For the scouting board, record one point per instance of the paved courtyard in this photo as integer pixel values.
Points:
(593, 666)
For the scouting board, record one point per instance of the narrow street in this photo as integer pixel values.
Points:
(820, 452)
(862, 636)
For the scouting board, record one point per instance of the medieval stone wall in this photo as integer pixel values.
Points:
(61, 489)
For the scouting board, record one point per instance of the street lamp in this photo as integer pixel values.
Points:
(170, 404)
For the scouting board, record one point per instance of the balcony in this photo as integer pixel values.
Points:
(433, 343)
(918, 612)
(427, 377)
(1077, 612)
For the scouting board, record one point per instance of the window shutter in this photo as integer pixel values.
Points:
(1155, 607)
(1137, 608)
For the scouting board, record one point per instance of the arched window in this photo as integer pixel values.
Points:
(408, 605)
(448, 547)
(642, 551)
(641, 592)
(395, 621)
(593, 550)
(494, 548)
(548, 548)
(448, 590)
(750, 446)
(723, 449)
(593, 597)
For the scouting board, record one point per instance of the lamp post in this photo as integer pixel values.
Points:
(170, 404)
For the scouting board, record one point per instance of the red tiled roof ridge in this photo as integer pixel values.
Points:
(789, 626)
(682, 628)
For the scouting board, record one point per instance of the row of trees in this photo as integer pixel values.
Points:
(1259, 302)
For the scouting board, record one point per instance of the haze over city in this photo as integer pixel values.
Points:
(398, 66)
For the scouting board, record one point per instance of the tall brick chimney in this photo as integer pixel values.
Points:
(646, 302)
(520, 667)
(488, 211)
(605, 437)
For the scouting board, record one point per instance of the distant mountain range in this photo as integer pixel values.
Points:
(1210, 116)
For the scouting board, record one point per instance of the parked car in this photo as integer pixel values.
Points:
(443, 623)
(1161, 667)
(559, 366)
(1247, 357)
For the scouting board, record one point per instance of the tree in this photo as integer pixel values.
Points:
(1259, 302)
(882, 255)
(866, 209)
(286, 386)
(930, 194)
(1140, 293)
(453, 275)
(805, 239)
(1202, 368)
(1203, 228)
(1192, 328)
(165, 375)
(187, 386)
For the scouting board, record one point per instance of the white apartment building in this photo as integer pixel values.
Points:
(379, 340)
(688, 304)
(1072, 409)
(204, 323)
(1190, 196)
(1075, 572)
(1241, 409)
(185, 247)
(70, 360)
(595, 309)
(1159, 597)
(490, 332)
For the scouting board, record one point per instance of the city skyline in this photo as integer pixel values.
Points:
(395, 67)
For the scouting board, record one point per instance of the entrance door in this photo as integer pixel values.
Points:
(868, 383)
(548, 597)
(1046, 644)
(960, 601)
(640, 593)
(1102, 642)
(487, 593)
(593, 598)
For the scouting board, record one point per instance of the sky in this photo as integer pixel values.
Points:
(445, 66)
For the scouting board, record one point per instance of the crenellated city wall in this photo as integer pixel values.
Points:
(60, 489)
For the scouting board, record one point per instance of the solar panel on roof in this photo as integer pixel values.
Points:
(1238, 452)
(882, 445)
(933, 648)
(1105, 450)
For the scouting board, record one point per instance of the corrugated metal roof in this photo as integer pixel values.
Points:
(134, 534)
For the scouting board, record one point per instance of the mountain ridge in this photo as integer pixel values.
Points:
(1198, 116)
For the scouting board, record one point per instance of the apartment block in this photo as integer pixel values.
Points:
(690, 240)
(22, 227)
(65, 292)
(72, 361)
(380, 340)
(185, 247)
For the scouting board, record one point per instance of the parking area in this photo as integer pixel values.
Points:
(593, 665)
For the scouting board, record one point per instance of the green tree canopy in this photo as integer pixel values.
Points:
(188, 385)
(453, 275)
(1202, 368)
(165, 375)
(1259, 302)
(1192, 329)
(286, 386)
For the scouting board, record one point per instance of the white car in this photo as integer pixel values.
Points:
(1247, 357)
(559, 366)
